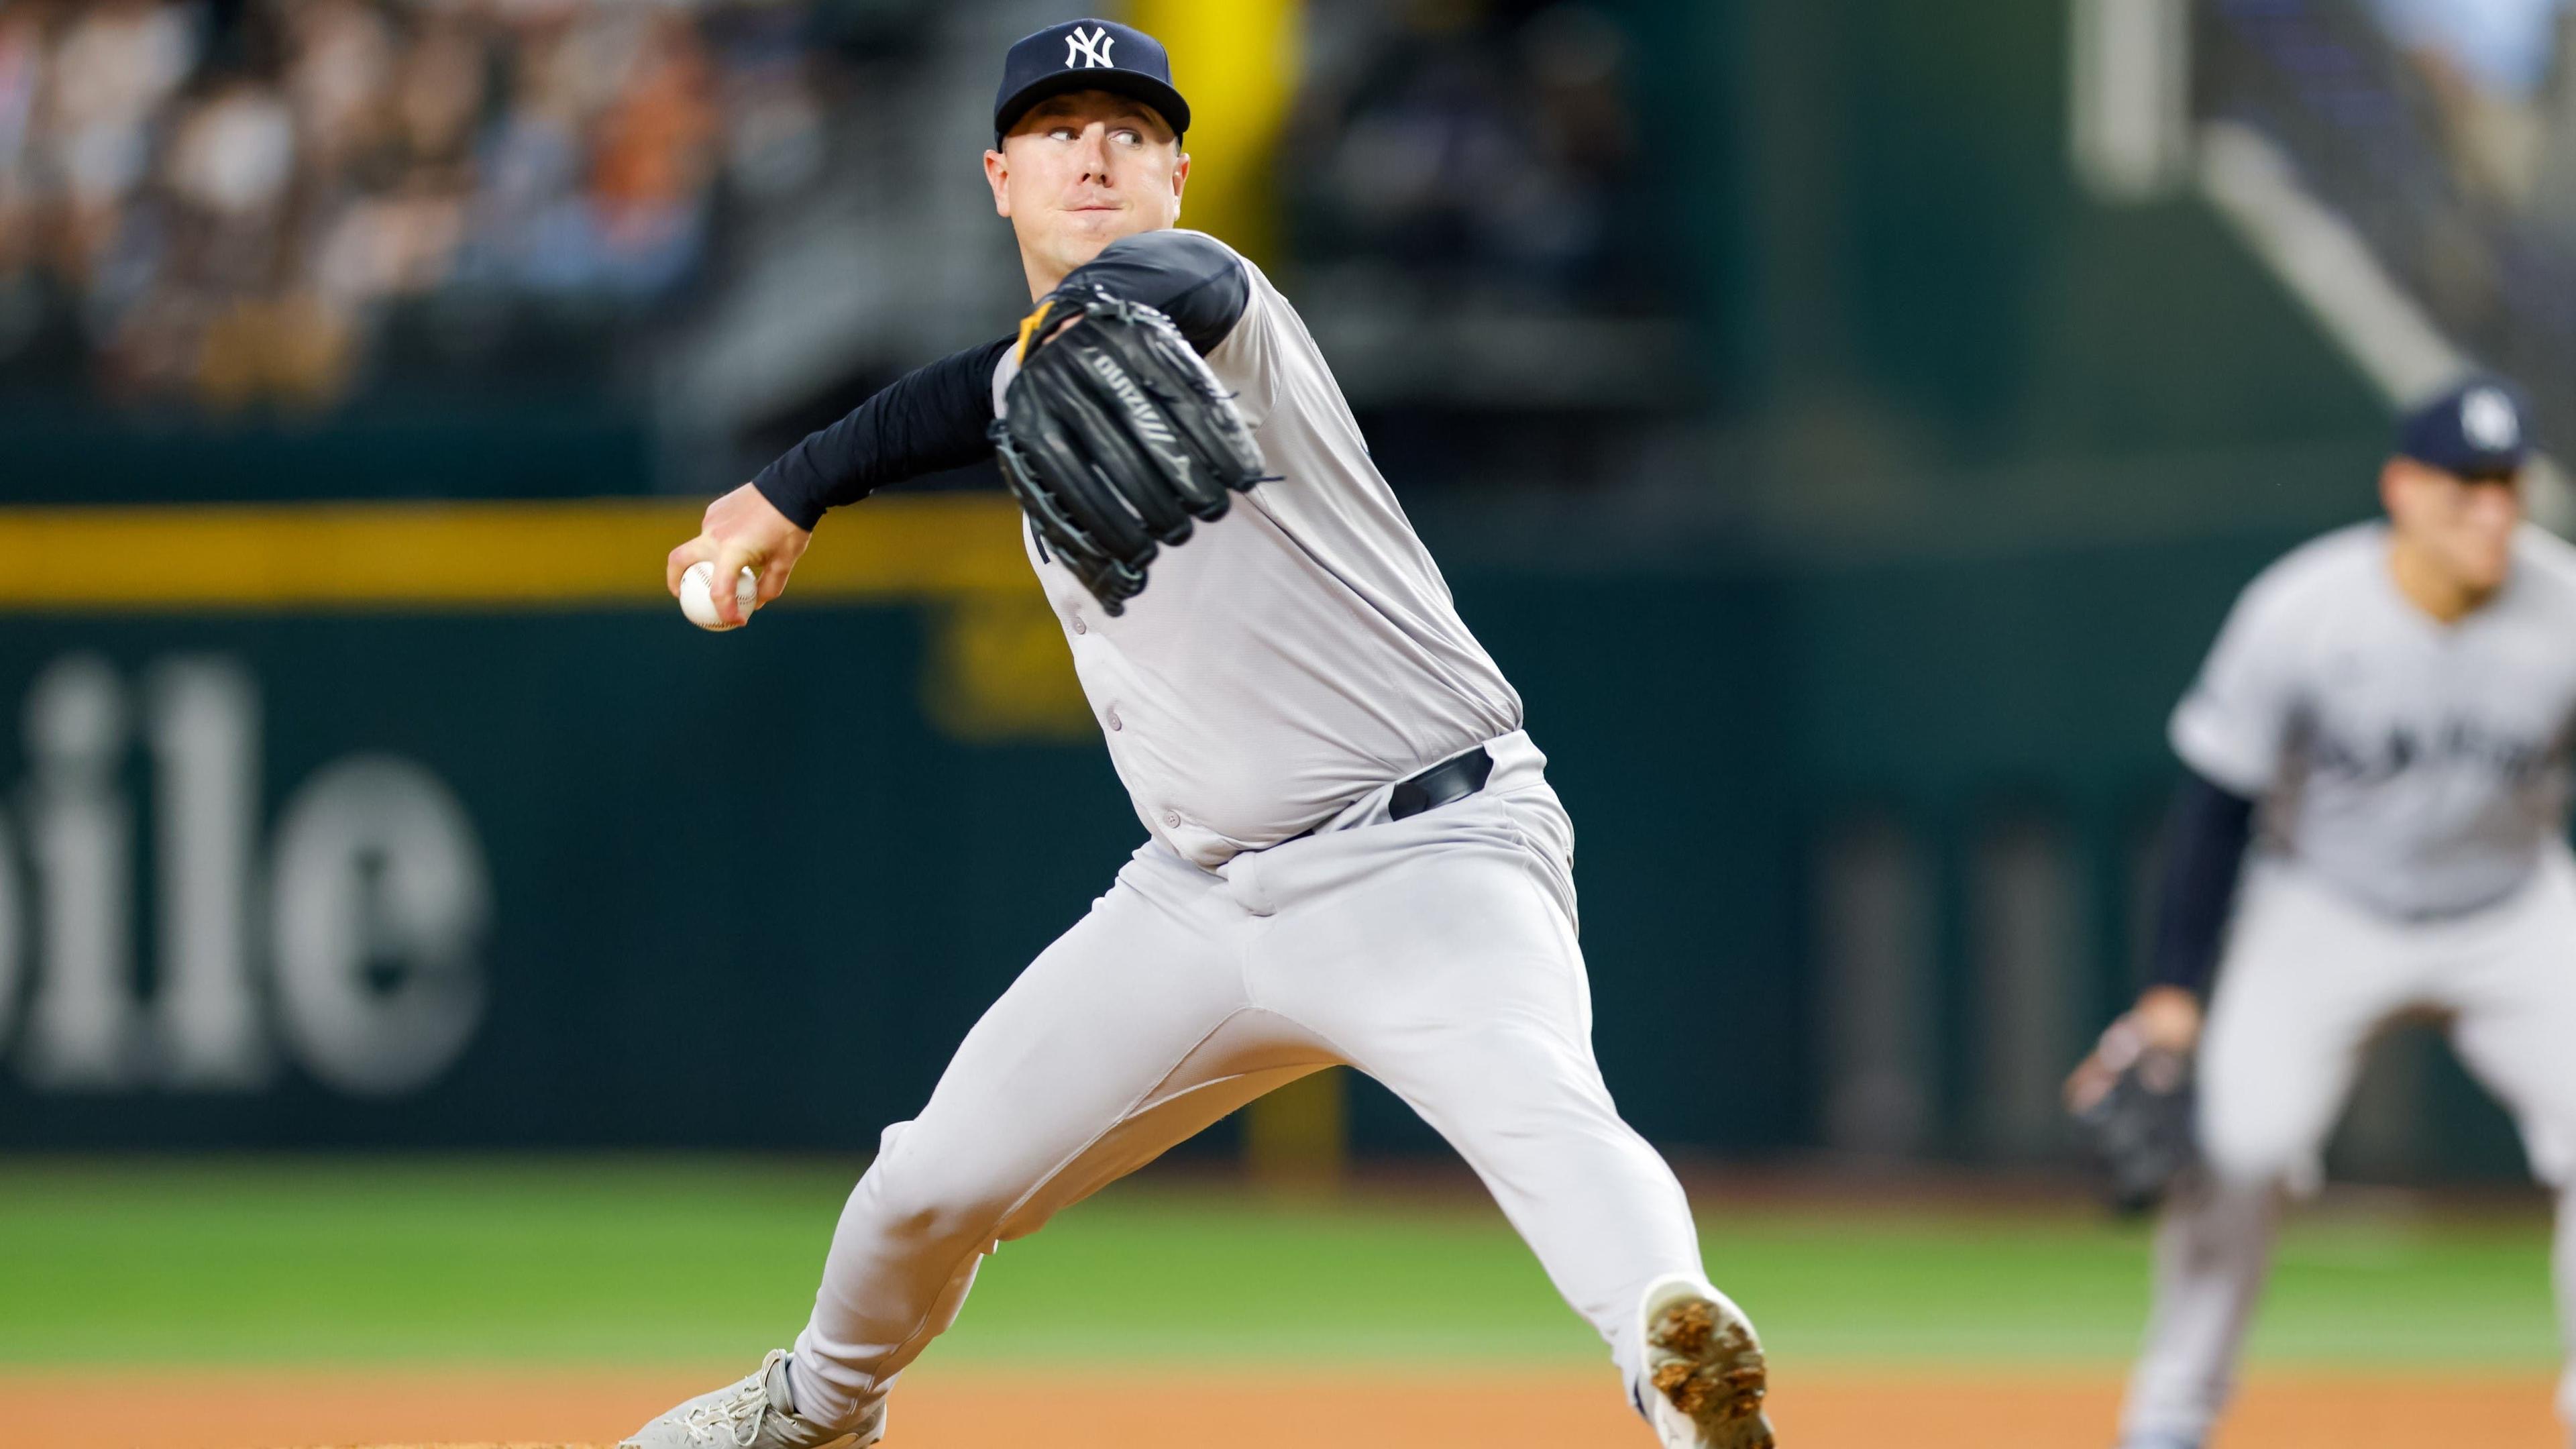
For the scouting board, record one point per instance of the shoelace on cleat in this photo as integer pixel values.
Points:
(738, 1414)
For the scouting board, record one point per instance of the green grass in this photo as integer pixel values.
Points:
(698, 1260)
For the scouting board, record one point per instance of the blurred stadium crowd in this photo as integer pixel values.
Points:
(1475, 149)
(238, 201)
(2443, 132)
(2497, 72)
(219, 200)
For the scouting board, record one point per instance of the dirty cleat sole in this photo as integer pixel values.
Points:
(1704, 1359)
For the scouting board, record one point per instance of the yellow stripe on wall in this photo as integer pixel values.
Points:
(1240, 64)
(588, 554)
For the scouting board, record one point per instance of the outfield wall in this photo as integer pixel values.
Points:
(356, 824)
(295, 858)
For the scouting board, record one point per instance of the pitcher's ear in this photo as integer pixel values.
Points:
(997, 174)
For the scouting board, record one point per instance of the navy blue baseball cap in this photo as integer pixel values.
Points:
(1087, 55)
(2477, 428)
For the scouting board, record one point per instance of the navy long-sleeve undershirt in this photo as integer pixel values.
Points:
(2204, 858)
(935, 417)
(929, 419)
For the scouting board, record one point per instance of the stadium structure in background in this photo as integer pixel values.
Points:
(1820, 465)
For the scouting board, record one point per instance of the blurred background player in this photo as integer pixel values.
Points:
(2379, 746)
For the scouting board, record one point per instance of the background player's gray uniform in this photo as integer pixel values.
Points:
(2414, 780)
(1284, 668)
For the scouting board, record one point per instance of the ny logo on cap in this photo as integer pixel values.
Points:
(1090, 52)
(2487, 417)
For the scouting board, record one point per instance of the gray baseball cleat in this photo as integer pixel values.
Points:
(1705, 1378)
(756, 1413)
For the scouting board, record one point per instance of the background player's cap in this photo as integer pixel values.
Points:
(2477, 428)
(1087, 55)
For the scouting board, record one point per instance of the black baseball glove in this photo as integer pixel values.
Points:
(2137, 1129)
(1117, 439)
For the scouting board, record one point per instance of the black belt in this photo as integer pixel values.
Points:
(1450, 780)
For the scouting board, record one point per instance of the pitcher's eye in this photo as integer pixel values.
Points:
(1060, 133)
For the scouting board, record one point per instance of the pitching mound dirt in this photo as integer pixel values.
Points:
(967, 1408)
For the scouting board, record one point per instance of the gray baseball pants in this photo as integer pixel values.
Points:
(1436, 953)
(2307, 981)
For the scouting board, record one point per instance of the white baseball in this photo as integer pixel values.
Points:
(698, 600)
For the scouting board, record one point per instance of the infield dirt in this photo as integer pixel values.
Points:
(1837, 1409)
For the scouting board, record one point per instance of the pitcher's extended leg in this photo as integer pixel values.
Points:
(1442, 961)
(1517, 1091)
(1126, 1036)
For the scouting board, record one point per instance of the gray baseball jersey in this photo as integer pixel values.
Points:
(2417, 768)
(1297, 653)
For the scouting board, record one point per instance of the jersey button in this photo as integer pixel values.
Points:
(1172, 819)
(1115, 722)
(1080, 627)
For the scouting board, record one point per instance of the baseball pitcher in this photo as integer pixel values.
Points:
(2379, 746)
(1353, 855)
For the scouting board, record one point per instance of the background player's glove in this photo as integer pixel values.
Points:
(2137, 1128)
(1117, 439)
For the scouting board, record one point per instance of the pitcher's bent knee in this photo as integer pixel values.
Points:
(925, 1207)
